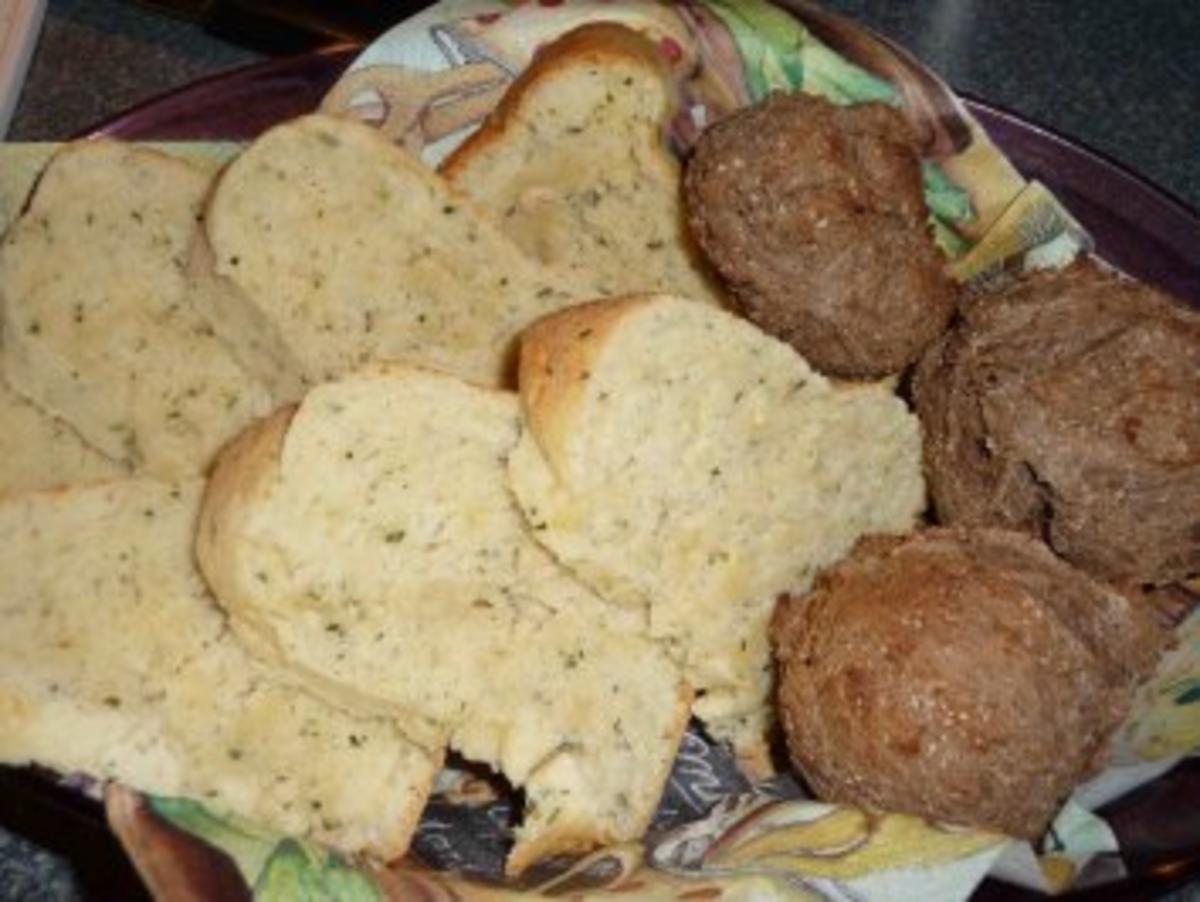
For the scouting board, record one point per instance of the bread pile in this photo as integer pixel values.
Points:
(965, 675)
(327, 464)
(361, 580)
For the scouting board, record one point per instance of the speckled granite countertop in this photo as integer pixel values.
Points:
(1122, 77)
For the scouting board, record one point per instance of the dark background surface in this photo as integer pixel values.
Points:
(1121, 77)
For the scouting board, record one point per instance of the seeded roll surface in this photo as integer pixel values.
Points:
(814, 215)
(966, 676)
(1068, 406)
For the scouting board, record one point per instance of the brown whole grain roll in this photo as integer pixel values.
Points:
(814, 215)
(966, 676)
(1068, 406)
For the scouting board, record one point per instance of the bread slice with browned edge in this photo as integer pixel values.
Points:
(38, 451)
(116, 662)
(328, 248)
(98, 329)
(575, 165)
(685, 464)
(367, 541)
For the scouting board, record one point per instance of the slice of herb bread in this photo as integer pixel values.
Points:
(40, 451)
(574, 163)
(115, 662)
(367, 540)
(97, 326)
(685, 464)
(328, 247)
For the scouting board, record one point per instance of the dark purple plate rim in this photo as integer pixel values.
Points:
(1139, 226)
(1003, 118)
(1142, 228)
(202, 110)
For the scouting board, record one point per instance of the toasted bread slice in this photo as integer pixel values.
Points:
(115, 661)
(328, 247)
(575, 165)
(367, 540)
(41, 452)
(97, 327)
(686, 464)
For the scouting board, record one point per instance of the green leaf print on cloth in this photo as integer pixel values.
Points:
(780, 54)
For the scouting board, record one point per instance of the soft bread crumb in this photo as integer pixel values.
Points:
(40, 451)
(329, 248)
(575, 167)
(684, 464)
(368, 543)
(114, 661)
(98, 327)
